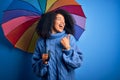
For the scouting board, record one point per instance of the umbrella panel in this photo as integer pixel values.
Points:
(30, 9)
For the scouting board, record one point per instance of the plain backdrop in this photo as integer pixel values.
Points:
(100, 45)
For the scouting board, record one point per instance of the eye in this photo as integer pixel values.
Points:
(58, 18)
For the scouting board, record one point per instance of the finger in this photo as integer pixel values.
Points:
(62, 41)
(46, 62)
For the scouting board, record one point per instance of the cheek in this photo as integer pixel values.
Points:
(56, 24)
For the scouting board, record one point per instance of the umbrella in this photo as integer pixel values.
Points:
(21, 17)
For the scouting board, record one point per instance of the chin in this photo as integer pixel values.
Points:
(60, 31)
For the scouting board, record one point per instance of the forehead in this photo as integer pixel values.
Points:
(59, 16)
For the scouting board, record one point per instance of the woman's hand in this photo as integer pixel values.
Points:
(66, 42)
(45, 57)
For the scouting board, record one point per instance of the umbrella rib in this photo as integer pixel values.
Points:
(32, 6)
(71, 5)
(30, 42)
(76, 34)
(28, 11)
(45, 6)
(41, 7)
(31, 39)
(52, 5)
(36, 10)
(22, 43)
(10, 4)
(23, 9)
(23, 23)
(16, 27)
(22, 16)
(80, 27)
(7, 17)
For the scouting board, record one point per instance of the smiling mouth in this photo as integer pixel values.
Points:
(61, 25)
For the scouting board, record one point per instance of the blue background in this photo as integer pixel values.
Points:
(99, 44)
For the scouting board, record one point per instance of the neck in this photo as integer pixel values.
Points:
(53, 31)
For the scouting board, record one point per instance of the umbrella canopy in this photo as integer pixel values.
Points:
(21, 17)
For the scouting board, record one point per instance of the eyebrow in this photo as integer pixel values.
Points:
(60, 17)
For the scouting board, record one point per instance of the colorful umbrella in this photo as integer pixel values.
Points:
(21, 17)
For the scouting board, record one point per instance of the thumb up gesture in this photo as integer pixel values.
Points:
(66, 42)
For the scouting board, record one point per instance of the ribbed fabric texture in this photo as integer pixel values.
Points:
(61, 64)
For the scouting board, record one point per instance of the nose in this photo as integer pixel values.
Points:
(62, 22)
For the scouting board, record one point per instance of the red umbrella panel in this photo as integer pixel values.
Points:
(21, 17)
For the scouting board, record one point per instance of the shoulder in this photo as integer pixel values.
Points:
(72, 38)
(39, 41)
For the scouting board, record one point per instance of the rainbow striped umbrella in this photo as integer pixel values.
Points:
(21, 17)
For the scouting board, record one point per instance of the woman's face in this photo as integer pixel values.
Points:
(59, 24)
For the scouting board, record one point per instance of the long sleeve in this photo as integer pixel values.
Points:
(72, 57)
(37, 64)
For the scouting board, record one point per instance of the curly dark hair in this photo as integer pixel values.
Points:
(47, 22)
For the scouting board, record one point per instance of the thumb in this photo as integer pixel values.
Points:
(68, 36)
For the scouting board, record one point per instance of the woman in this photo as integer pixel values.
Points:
(56, 55)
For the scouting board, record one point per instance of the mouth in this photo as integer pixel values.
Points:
(61, 25)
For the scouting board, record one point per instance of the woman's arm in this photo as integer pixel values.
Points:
(38, 65)
(73, 56)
